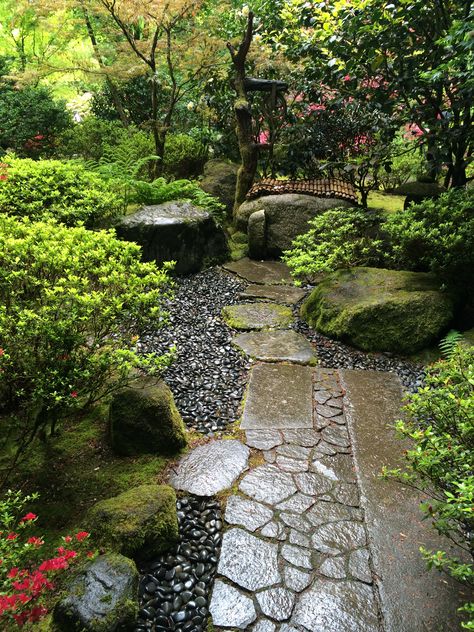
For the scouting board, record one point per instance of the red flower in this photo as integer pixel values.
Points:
(36, 541)
(12, 573)
(2, 351)
(67, 538)
(12, 536)
(82, 535)
(74, 394)
(29, 516)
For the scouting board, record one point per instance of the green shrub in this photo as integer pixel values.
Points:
(437, 236)
(72, 304)
(439, 420)
(184, 156)
(64, 191)
(407, 163)
(339, 238)
(89, 138)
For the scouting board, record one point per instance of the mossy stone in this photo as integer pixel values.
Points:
(247, 316)
(143, 419)
(220, 180)
(140, 523)
(101, 597)
(379, 310)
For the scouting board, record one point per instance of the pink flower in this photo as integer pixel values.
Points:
(82, 535)
(74, 394)
(346, 78)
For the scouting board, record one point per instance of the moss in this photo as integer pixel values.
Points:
(281, 313)
(379, 310)
(378, 200)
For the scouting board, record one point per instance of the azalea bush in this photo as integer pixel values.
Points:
(73, 304)
(27, 577)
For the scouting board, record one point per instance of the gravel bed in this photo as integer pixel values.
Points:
(175, 588)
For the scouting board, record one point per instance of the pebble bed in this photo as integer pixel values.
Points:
(174, 588)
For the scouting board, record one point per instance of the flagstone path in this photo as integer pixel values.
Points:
(314, 540)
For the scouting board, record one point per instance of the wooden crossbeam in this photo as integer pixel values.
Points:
(322, 187)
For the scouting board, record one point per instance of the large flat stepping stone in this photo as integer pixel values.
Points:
(211, 468)
(276, 346)
(287, 294)
(230, 608)
(257, 316)
(261, 272)
(412, 597)
(279, 396)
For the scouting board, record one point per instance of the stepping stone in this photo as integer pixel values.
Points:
(247, 513)
(339, 467)
(298, 503)
(339, 537)
(274, 530)
(296, 555)
(248, 561)
(344, 606)
(412, 596)
(263, 439)
(211, 468)
(279, 396)
(268, 484)
(276, 603)
(261, 272)
(287, 294)
(307, 438)
(230, 608)
(296, 579)
(326, 512)
(333, 568)
(277, 346)
(257, 316)
(313, 484)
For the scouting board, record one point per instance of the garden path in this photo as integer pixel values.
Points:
(315, 540)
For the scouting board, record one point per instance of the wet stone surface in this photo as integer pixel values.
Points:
(287, 294)
(261, 272)
(276, 346)
(257, 316)
(247, 513)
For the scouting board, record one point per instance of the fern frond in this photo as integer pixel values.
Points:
(449, 344)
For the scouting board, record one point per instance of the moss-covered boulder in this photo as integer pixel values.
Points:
(220, 179)
(143, 419)
(101, 597)
(140, 523)
(379, 310)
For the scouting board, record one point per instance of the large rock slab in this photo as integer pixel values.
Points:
(220, 179)
(279, 396)
(211, 468)
(286, 217)
(285, 294)
(379, 310)
(413, 598)
(261, 272)
(276, 346)
(344, 606)
(248, 561)
(257, 316)
(175, 231)
(230, 608)
(101, 597)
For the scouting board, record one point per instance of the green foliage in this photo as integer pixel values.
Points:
(339, 238)
(407, 163)
(439, 420)
(449, 344)
(89, 138)
(438, 236)
(64, 191)
(184, 156)
(134, 95)
(73, 303)
(31, 120)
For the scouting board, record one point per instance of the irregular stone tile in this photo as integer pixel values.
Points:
(335, 402)
(263, 439)
(313, 484)
(270, 456)
(211, 468)
(359, 566)
(339, 537)
(268, 484)
(294, 451)
(320, 422)
(230, 608)
(340, 421)
(339, 467)
(333, 568)
(278, 396)
(346, 494)
(291, 465)
(328, 411)
(342, 606)
(298, 503)
(326, 512)
(321, 397)
(290, 295)
(248, 561)
(247, 513)
(296, 579)
(307, 438)
(264, 625)
(288, 628)
(276, 346)
(297, 522)
(296, 555)
(276, 603)
(257, 316)
(325, 448)
(336, 435)
(274, 530)
(299, 538)
(260, 272)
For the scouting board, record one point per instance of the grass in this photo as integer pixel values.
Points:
(386, 202)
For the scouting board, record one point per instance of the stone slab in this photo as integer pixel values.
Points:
(211, 468)
(261, 272)
(413, 598)
(279, 396)
(230, 608)
(247, 513)
(247, 316)
(263, 439)
(276, 603)
(276, 346)
(287, 294)
(268, 484)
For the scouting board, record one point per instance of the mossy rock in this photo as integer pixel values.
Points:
(143, 419)
(379, 310)
(248, 316)
(140, 523)
(100, 597)
(220, 180)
